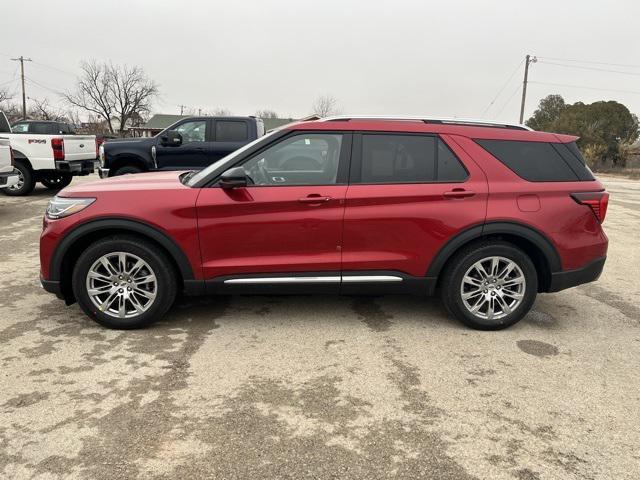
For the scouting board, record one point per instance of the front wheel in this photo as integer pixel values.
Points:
(490, 286)
(25, 184)
(124, 282)
(126, 170)
(56, 180)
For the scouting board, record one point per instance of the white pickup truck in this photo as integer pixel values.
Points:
(52, 160)
(8, 177)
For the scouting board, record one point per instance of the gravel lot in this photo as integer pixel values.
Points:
(321, 387)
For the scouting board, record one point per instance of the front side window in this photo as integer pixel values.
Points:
(391, 158)
(231, 131)
(20, 128)
(306, 159)
(192, 131)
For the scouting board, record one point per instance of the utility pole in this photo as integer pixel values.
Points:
(528, 59)
(182, 107)
(21, 59)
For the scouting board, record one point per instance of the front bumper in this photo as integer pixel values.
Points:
(52, 286)
(571, 278)
(103, 172)
(8, 179)
(79, 167)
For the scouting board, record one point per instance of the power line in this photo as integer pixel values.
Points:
(626, 65)
(50, 89)
(508, 100)
(581, 67)
(502, 89)
(587, 88)
(21, 59)
(51, 67)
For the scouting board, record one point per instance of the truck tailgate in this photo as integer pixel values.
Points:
(79, 147)
(5, 156)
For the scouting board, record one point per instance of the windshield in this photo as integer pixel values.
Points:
(220, 164)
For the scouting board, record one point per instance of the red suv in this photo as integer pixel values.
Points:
(486, 214)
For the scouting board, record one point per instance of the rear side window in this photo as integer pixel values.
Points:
(390, 158)
(43, 128)
(538, 161)
(227, 131)
(20, 128)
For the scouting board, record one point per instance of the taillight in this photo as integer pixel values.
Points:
(13, 157)
(597, 201)
(57, 144)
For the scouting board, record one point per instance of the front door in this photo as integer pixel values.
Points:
(409, 194)
(286, 227)
(191, 154)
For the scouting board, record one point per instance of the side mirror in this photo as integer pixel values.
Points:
(234, 178)
(171, 139)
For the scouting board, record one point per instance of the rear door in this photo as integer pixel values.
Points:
(408, 195)
(228, 136)
(191, 154)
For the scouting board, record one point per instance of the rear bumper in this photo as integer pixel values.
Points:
(571, 278)
(8, 179)
(78, 167)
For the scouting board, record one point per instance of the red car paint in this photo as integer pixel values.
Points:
(402, 227)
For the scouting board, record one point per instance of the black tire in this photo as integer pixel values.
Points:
(56, 180)
(156, 260)
(27, 182)
(126, 169)
(459, 265)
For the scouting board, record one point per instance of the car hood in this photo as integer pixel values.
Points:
(137, 181)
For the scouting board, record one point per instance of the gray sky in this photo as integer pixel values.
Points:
(407, 57)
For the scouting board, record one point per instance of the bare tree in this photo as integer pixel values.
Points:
(132, 91)
(113, 92)
(93, 93)
(266, 114)
(43, 110)
(221, 112)
(326, 105)
(5, 95)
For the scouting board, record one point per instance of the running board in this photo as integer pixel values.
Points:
(332, 279)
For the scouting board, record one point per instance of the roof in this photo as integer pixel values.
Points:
(162, 120)
(471, 130)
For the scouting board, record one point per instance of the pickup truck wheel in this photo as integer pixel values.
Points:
(124, 282)
(56, 181)
(127, 169)
(25, 184)
(490, 286)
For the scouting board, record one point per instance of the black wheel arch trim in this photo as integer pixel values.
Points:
(496, 228)
(133, 226)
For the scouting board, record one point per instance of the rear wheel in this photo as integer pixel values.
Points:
(25, 184)
(490, 286)
(127, 169)
(56, 180)
(124, 282)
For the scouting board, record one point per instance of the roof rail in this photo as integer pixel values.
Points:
(427, 119)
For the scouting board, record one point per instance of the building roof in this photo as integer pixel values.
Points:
(160, 121)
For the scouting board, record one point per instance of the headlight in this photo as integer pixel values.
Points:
(101, 155)
(60, 207)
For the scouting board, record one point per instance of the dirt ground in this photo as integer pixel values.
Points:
(321, 387)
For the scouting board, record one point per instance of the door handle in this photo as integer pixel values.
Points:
(314, 199)
(458, 193)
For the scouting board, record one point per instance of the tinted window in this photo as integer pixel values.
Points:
(570, 153)
(449, 167)
(398, 158)
(408, 159)
(533, 161)
(227, 131)
(307, 159)
(44, 128)
(192, 131)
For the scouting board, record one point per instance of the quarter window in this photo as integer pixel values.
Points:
(390, 158)
(192, 131)
(307, 159)
(227, 131)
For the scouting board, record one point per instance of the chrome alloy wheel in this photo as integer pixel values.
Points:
(20, 183)
(121, 285)
(492, 288)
